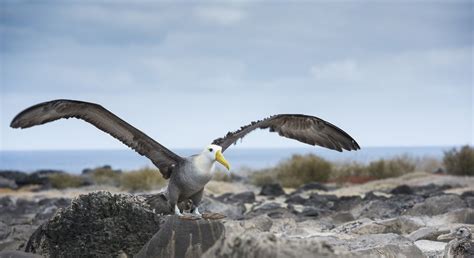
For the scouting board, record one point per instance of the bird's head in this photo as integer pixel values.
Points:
(458, 233)
(214, 153)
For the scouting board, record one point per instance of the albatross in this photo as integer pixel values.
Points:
(187, 175)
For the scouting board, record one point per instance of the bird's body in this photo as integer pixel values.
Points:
(187, 175)
(461, 245)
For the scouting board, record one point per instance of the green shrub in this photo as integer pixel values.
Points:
(145, 179)
(296, 171)
(62, 181)
(391, 168)
(223, 176)
(459, 162)
(263, 177)
(105, 176)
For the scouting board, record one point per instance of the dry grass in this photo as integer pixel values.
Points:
(296, 171)
(63, 181)
(144, 179)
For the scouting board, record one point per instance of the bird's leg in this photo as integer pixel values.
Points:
(177, 211)
(196, 212)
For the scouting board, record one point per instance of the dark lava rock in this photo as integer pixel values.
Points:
(97, 224)
(272, 210)
(325, 201)
(402, 189)
(312, 186)
(7, 183)
(383, 208)
(346, 203)
(437, 205)
(272, 190)
(372, 196)
(295, 199)
(430, 190)
(467, 194)
(182, 238)
(310, 212)
(244, 197)
(16, 176)
(18, 254)
(469, 201)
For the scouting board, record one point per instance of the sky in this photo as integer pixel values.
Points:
(390, 73)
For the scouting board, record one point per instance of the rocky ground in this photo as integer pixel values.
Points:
(400, 217)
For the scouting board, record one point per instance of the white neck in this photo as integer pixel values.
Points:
(204, 164)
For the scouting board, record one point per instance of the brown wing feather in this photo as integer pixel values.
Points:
(106, 121)
(303, 128)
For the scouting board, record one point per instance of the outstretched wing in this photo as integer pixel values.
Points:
(106, 121)
(303, 128)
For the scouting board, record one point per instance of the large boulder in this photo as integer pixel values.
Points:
(436, 205)
(97, 224)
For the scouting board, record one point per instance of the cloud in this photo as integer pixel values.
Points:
(345, 70)
(222, 15)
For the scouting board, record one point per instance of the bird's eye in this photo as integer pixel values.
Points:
(210, 149)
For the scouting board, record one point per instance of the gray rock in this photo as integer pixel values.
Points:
(377, 245)
(248, 241)
(272, 190)
(424, 233)
(437, 205)
(232, 211)
(7, 183)
(431, 248)
(4, 230)
(18, 254)
(97, 224)
(399, 225)
(179, 237)
(244, 197)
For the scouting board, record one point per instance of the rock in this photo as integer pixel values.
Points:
(312, 186)
(430, 190)
(469, 201)
(295, 199)
(467, 194)
(182, 238)
(232, 211)
(244, 197)
(97, 224)
(7, 183)
(248, 241)
(4, 230)
(321, 201)
(311, 212)
(272, 190)
(437, 205)
(347, 203)
(16, 176)
(431, 248)
(399, 225)
(377, 245)
(271, 209)
(382, 208)
(402, 189)
(18, 254)
(425, 233)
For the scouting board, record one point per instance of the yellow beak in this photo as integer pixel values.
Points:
(220, 158)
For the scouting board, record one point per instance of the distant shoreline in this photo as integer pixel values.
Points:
(74, 161)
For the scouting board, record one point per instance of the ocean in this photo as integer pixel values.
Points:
(74, 161)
